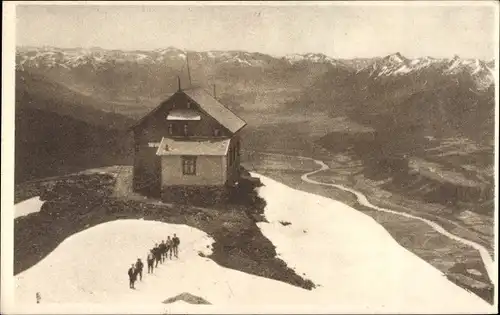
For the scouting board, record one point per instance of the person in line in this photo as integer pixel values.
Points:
(156, 252)
(175, 242)
(151, 259)
(169, 247)
(139, 266)
(132, 276)
(163, 251)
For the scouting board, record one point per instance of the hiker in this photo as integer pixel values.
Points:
(139, 266)
(132, 276)
(169, 247)
(150, 259)
(163, 251)
(157, 254)
(175, 242)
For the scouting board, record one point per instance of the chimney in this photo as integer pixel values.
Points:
(179, 82)
(215, 95)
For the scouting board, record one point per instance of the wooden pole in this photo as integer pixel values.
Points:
(189, 71)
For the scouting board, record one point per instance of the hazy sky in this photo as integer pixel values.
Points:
(336, 30)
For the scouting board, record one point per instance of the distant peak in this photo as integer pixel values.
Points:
(168, 49)
(312, 57)
(397, 57)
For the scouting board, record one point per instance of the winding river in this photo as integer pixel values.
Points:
(485, 256)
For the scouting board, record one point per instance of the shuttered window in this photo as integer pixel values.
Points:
(189, 165)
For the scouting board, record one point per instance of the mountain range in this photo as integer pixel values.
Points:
(151, 73)
(394, 95)
(421, 97)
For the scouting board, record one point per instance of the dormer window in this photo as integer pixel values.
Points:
(216, 132)
(186, 130)
(188, 105)
(170, 129)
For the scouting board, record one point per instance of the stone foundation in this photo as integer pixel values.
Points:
(195, 195)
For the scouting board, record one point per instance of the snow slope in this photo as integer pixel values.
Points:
(28, 206)
(91, 267)
(356, 264)
(354, 259)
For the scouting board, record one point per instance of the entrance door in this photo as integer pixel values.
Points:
(154, 175)
(148, 172)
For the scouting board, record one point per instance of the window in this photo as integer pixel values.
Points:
(188, 104)
(170, 129)
(216, 132)
(189, 165)
(186, 130)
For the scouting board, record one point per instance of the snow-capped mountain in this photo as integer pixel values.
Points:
(391, 65)
(90, 64)
(482, 72)
(51, 57)
(398, 65)
(313, 58)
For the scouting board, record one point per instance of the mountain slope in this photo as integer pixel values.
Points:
(346, 257)
(434, 100)
(59, 131)
(39, 91)
(432, 127)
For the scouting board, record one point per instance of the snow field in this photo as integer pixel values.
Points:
(28, 206)
(356, 264)
(355, 260)
(91, 267)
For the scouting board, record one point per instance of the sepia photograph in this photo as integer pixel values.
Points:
(249, 157)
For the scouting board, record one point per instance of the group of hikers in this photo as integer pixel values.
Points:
(158, 254)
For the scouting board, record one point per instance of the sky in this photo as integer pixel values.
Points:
(337, 29)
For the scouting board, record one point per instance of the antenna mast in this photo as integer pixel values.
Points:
(189, 71)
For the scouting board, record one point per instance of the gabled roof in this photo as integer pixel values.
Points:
(215, 109)
(211, 106)
(170, 146)
(154, 110)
